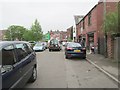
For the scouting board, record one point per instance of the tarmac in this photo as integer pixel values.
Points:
(108, 66)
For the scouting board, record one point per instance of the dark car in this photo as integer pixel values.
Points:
(54, 45)
(74, 50)
(18, 64)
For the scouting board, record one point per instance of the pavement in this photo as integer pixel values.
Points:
(106, 65)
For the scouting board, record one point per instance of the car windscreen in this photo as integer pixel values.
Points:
(53, 42)
(74, 45)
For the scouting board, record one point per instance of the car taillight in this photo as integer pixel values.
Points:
(68, 48)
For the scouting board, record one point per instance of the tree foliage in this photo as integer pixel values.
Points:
(28, 35)
(110, 24)
(36, 30)
(15, 32)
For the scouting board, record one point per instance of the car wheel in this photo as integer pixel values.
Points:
(34, 75)
(84, 57)
(49, 50)
(66, 56)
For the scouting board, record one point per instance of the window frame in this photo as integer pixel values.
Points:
(14, 53)
(30, 49)
(17, 54)
(89, 19)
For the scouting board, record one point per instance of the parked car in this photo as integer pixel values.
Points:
(39, 47)
(66, 44)
(32, 43)
(44, 44)
(54, 45)
(63, 43)
(18, 64)
(74, 50)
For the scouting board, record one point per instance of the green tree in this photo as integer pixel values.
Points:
(36, 29)
(28, 35)
(110, 24)
(15, 32)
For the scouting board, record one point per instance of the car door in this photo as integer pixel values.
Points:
(26, 58)
(10, 68)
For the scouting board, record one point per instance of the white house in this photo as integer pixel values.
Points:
(77, 19)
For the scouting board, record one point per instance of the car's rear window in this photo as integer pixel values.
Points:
(54, 42)
(74, 45)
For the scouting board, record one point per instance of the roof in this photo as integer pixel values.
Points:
(89, 12)
(78, 18)
(4, 43)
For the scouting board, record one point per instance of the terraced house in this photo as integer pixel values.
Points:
(90, 29)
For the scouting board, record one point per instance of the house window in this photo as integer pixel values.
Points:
(89, 19)
(83, 24)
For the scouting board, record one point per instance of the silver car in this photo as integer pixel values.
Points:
(39, 47)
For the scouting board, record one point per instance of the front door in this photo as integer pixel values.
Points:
(10, 68)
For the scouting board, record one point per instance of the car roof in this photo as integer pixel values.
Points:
(4, 43)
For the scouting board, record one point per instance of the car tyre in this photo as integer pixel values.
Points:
(66, 56)
(49, 50)
(84, 57)
(33, 76)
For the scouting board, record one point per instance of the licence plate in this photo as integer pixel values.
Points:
(76, 50)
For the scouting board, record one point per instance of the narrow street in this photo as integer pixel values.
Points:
(54, 71)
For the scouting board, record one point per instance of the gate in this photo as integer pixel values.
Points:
(101, 45)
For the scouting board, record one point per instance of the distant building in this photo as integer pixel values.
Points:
(55, 34)
(63, 36)
(77, 19)
(2, 35)
(70, 33)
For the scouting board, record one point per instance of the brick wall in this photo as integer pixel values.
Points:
(89, 28)
(110, 46)
(70, 32)
(110, 6)
(78, 30)
(63, 35)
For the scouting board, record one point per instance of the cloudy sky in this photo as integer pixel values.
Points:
(52, 14)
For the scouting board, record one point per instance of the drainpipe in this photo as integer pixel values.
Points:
(105, 34)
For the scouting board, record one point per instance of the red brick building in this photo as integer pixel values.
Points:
(63, 36)
(60, 35)
(90, 30)
(70, 33)
(55, 34)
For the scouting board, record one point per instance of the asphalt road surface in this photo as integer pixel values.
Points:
(54, 71)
